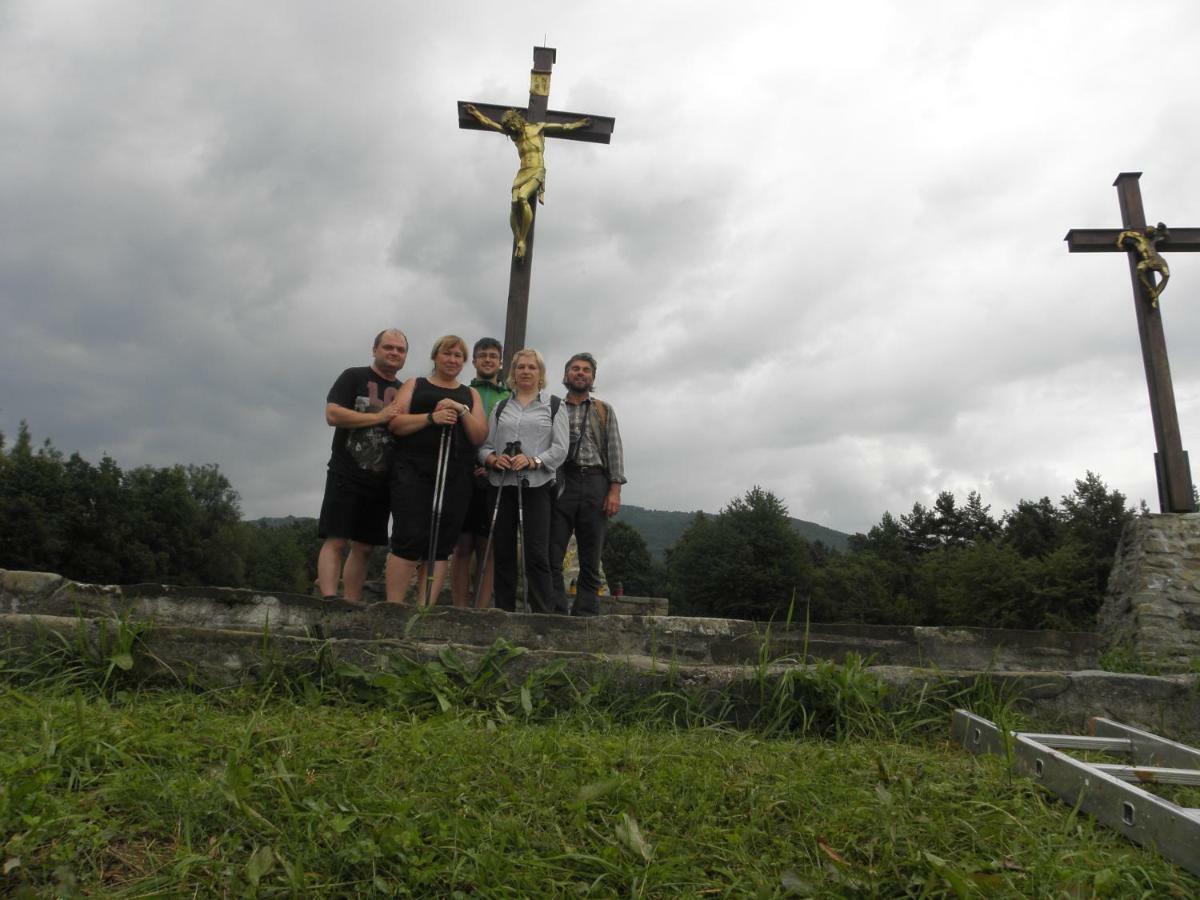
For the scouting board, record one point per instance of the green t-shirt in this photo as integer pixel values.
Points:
(490, 392)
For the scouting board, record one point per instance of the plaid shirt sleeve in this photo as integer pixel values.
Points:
(616, 455)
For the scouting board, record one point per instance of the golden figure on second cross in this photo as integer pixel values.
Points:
(531, 177)
(1149, 260)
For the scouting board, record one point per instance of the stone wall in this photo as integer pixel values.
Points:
(212, 637)
(1153, 602)
(683, 639)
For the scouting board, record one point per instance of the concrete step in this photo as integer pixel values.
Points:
(205, 657)
(216, 636)
(679, 638)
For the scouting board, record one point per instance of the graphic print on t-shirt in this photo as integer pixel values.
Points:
(371, 447)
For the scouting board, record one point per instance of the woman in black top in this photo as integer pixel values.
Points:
(432, 407)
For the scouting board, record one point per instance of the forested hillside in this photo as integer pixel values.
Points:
(662, 528)
(172, 524)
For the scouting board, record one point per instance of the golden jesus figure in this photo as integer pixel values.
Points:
(1145, 244)
(531, 177)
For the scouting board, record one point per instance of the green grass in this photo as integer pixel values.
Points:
(253, 793)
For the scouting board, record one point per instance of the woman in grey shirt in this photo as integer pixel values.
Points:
(529, 416)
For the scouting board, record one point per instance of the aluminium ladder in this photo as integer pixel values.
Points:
(1109, 792)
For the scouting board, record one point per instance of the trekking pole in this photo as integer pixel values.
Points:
(439, 489)
(521, 535)
(524, 482)
(487, 550)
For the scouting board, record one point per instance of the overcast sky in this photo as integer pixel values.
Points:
(823, 252)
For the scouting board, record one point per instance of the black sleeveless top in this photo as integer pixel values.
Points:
(421, 447)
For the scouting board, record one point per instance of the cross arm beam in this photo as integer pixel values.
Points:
(1104, 240)
(599, 132)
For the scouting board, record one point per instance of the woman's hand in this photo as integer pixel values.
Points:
(448, 412)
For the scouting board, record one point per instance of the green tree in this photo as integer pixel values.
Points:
(985, 584)
(276, 558)
(94, 523)
(746, 562)
(627, 560)
(1042, 566)
(31, 499)
(974, 523)
(921, 530)
(862, 586)
(875, 582)
(1094, 517)
(178, 524)
(1033, 529)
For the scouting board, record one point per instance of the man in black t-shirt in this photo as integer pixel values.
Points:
(356, 506)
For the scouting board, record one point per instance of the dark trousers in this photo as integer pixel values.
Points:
(579, 509)
(535, 503)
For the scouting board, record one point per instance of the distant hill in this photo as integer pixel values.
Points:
(662, 528)
(282, 521)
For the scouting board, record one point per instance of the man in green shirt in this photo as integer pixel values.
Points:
(486, 356)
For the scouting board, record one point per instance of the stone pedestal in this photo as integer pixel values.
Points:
(1152, 605)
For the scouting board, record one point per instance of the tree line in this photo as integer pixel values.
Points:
(173, 524)
(1040, 565)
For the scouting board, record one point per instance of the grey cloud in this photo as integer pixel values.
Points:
(829, 247)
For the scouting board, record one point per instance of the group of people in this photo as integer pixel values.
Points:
(477, 469)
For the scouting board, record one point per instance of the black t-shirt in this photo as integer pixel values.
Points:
(363, 454)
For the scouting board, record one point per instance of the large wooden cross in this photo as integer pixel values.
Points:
(599, 131)
(1171, 460)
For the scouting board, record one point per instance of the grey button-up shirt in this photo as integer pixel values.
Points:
(531, 425)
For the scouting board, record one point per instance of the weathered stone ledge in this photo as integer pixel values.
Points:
(218, 657)
(684, 639)
(217, 636)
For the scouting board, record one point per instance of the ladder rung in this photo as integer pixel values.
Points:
(1150, 774)
(1080, 742)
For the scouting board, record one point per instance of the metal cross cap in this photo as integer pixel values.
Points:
(535, 123)
(1148, 270)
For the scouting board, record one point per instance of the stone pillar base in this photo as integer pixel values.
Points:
(1152, 605)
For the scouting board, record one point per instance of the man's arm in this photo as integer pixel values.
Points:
(473, 422)
(473, 110)
(560, 440)
(566, 126)
(341, 417)
(612, 500)
(339, 405)
(405, 423)
(615, 468)
(1140, 242)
